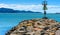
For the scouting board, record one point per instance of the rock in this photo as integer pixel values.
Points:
(36, 27)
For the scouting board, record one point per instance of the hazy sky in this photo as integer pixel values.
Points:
(33, 5)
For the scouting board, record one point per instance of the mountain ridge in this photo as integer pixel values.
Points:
(8, 10)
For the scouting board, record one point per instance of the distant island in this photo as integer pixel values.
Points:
(57, 12)
(8, 10)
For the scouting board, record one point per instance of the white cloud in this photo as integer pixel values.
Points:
(36, 8)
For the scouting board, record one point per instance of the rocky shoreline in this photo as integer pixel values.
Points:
(36, 27)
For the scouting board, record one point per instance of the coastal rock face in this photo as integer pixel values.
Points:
(35, 27)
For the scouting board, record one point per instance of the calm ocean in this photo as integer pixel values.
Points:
(7, 21)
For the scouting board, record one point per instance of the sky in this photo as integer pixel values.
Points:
(32, 5)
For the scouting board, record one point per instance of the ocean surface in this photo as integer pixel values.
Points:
(7, 21)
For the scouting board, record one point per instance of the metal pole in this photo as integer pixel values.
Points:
(44, 8)
(44, 13)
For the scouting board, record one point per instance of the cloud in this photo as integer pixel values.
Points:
(36, 8)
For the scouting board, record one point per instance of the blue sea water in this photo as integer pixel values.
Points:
(7, 21)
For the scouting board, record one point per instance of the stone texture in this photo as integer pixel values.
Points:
(36, 27)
